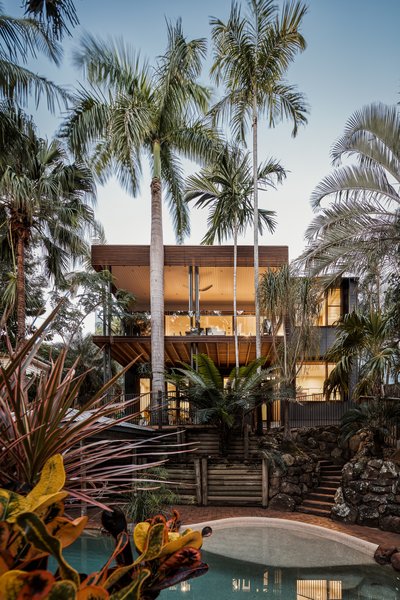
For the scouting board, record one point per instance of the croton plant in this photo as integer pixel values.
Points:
(35, 527)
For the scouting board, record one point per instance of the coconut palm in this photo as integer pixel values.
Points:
(55, 15)
(360, 225)
(134, 111)
(364, 341)
(218, 403)
(43, 206)
(251, 57)
(291, 305)
(225, 187)
(21, 39)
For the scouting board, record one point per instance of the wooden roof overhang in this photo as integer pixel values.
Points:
(221, 349)
(104, 256)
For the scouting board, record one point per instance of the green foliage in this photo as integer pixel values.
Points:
(51, 420)
(34, 528)
(152, 496)
(291, 304)
(219, 404)
(378, 417)
(360, 225)
(365, 341)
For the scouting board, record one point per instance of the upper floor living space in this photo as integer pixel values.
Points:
(198, 301)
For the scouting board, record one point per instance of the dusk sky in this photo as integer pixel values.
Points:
(352, 59)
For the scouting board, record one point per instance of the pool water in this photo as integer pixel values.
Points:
(230, 578)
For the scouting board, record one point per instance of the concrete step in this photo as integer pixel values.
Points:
(325, 489)
(331, 478)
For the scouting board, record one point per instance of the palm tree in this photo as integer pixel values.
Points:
(21, 39)
(360, 226)
(226, 188)
(364, 341)
(251, 57)
(292, 305)
(55, 15)
(218, 403)
(43, 206)
(134, 111)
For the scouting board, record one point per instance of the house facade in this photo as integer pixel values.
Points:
(198, 292)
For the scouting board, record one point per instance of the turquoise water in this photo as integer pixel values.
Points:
(229, 578)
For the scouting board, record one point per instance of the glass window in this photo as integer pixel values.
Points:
(310, 380)
(177, 324)
(246, 325)
(217, 325)
(330, 311)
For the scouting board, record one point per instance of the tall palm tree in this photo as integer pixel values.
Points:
(360, 225)
(225, 187)
(20, 39)
(292, 305)
(251, 57)
(43, 206)
(134, 111)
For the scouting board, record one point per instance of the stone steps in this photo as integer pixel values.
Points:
(319, 502)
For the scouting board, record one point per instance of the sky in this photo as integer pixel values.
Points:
(351, 60)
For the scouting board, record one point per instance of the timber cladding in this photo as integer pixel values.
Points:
(201, 256)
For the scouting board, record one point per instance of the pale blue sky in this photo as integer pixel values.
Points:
(352, 59)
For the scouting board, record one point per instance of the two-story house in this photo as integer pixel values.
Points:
(198, 283)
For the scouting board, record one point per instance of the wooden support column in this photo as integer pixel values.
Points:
(204, 481)
(264, 483)
(197, 475)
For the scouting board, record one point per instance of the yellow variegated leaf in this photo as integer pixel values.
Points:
(154, 543)
(11, 584)
(65, 530)
(44, 502)
(140, 535)
(173, 535)
(52, 480)
(11, 504)
(193, 539)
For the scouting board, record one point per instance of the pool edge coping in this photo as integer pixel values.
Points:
(350, 540)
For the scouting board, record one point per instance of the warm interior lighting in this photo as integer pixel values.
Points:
(310, 589)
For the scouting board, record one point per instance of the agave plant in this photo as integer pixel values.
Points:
(40, 418)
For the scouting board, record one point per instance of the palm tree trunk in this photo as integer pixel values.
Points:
(235, 328)
(20, 285)
(255, 200)
(157, 280)
(256, 269)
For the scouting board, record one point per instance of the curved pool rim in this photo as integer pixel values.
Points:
(354, 543)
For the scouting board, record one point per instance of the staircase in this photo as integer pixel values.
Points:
(320, 501)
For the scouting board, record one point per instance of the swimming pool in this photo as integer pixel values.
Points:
(272, 559)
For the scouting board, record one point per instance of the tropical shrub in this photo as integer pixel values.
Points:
(42, 417)
(150, 496)
(377, 417)
(34, 527)
(218, 403)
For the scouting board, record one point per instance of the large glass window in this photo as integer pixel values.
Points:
(216, 325)
(310, 380)
(330, 308)
(177, 324)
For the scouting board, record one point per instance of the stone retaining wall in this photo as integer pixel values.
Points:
(291, 482)
(369, 494)
(322, 441)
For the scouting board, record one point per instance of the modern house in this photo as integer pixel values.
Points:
(198, 282)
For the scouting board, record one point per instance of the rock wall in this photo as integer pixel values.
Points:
(322, 441)
(290, 482)
(369, 494)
